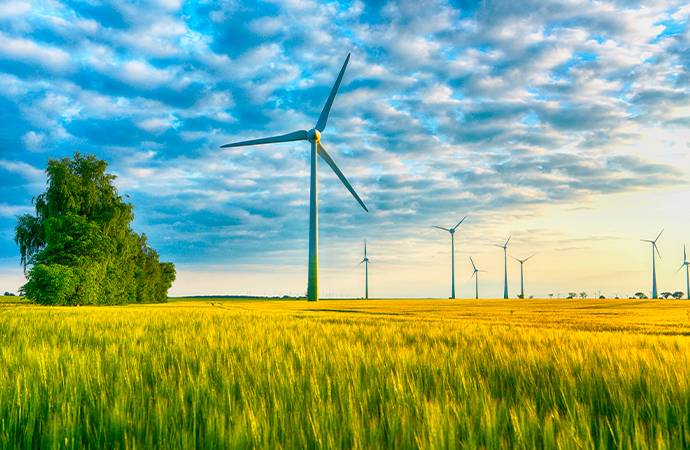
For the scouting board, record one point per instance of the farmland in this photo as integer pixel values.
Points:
(220, 373)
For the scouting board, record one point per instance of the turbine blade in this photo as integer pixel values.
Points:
(516, 259)
(507, 241)
(460, 222)
(646, 240)
(657, 238)
(365, 248)
(684, 257)
(300, 135)
(473, 274)
(681, 266)
(441, 228)
(323, 118)
(357, 265)
(326, 157)
(473, 266)
(499, 246)
(656, 248)
(532, 255)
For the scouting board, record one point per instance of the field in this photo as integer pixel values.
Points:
(217, 373)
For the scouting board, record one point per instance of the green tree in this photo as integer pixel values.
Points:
(677, 294)
(665, 295)
(79, 245)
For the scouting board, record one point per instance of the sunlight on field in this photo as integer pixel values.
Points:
(347, 374)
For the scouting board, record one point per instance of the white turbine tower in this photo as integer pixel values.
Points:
(452, 253)
(314, 137)
(687, 274)
(522, 282)
(476, 279)
(366, 271)
(505, 264)
(654, 247)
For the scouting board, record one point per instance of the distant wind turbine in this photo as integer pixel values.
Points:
(452, 253)
(522, 282)
(654, 247)
(313, 136)
(476, 278)
(687, 275)
(366, 270)
(505, 264)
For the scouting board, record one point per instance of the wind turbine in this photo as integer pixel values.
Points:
(522, 282)
(476, 279)
(687, 275)
(314, 137)
(452, 252)
(654, 295)
(505, 263)
(366, 270)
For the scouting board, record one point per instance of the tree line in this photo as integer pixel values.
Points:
(79, 248)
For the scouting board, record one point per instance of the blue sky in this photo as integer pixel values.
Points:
(561, 124)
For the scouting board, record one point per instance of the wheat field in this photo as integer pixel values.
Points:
(221, 373)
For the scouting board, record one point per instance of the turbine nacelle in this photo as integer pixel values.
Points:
(313, 135)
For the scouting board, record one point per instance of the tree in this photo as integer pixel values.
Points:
(665, 295)
(550, 295)
(640, 295)
(583, 295)
(79, 247)
(677, 294)
(572, 295)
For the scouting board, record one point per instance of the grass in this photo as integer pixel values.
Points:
(8, 300)
(215, 373)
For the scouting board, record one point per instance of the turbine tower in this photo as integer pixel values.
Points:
(476, 279)
(366, 271)
(452, 253)
(522, 282)
(505, 265)
(687, 275)
(314, 137)
(654, 247)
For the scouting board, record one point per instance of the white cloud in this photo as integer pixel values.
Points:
(27, 51)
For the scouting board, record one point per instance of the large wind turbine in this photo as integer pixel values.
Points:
(687, 275)
(366, 271)
(505, 264)
(476, 279)
(654, 247)
(522, 282)
(452, 253)
(314, 137)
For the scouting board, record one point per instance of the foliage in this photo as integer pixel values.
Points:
(665, 295)
(79, 244)
(389, 374)
(641, 295)
(583, 295)
(677, 294)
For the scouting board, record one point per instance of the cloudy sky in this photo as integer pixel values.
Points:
(562, 124)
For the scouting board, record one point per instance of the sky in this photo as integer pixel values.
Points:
(562, 125)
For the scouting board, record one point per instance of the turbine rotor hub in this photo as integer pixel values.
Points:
(313, 135)
(452, 230)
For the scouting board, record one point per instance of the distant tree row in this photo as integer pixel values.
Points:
(640, 295)
(79, 248)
